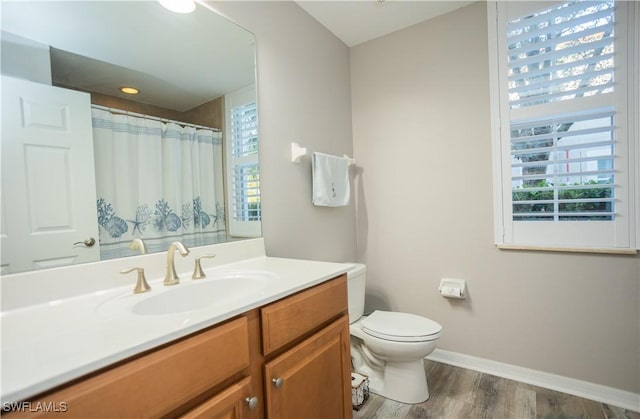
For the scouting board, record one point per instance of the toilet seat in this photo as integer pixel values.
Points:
(400, 327)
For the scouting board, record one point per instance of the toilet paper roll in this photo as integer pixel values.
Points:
(451, 292)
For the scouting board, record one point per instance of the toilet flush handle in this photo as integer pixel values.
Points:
(278, 382)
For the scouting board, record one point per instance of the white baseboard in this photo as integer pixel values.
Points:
(587, 390)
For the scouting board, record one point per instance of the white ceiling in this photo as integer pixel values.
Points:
(177, 61)
(355, 22)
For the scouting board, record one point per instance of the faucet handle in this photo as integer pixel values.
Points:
(138, 244)
(141, 284)
(198, 273)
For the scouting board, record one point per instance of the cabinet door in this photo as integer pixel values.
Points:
(235, 402)
(313, 379)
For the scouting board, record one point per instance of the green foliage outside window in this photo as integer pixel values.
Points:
(563, 193)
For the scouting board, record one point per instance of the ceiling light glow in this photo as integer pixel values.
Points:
(179, 6)
(129, 90)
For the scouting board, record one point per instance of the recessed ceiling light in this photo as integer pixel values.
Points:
(179, 6)
(129, 90)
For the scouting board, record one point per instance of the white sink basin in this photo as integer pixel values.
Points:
(216, 289)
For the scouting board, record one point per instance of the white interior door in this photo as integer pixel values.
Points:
(48, 185)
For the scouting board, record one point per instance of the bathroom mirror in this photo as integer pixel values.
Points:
(188, 68)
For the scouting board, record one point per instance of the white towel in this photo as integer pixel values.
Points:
(330, 180)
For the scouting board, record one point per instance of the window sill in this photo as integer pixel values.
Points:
(613, 251)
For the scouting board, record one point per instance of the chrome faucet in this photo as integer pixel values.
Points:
(171, 278)
(138, 244)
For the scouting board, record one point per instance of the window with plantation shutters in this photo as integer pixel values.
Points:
(563, 135)
(563, 168)
(243, 175)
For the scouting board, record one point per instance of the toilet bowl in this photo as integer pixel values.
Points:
(389, 347)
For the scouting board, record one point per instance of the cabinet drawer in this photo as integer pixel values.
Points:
(293, 317)
(229, 403)
(161, 381)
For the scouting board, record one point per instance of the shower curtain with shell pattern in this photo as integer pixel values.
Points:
(156, 181)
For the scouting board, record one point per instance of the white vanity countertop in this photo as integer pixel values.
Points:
(48, 344)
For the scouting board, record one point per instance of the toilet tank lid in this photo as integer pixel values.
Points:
(356, 269)
(400, 324)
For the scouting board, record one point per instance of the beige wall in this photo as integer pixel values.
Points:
(420, 113)
(303, 96)
(422, 135)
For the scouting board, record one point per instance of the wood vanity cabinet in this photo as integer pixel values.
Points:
(229, 370)
(307, 369)
(164, 382)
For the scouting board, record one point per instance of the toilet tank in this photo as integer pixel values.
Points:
(356, 283)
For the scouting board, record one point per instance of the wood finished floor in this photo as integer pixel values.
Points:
(462, 393)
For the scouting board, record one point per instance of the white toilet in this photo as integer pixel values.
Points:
(389, 347)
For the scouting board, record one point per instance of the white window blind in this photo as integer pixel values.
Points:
(561, 53)
(246, 192)
(246, 176)
(244, 130)
(242, 163)
(563, 137)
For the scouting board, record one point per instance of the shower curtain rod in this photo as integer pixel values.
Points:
(153, 118)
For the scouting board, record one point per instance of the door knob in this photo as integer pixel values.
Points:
(252, 402)
(278, 382)
(88, 242)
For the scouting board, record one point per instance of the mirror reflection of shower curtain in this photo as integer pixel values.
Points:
(156, 181)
